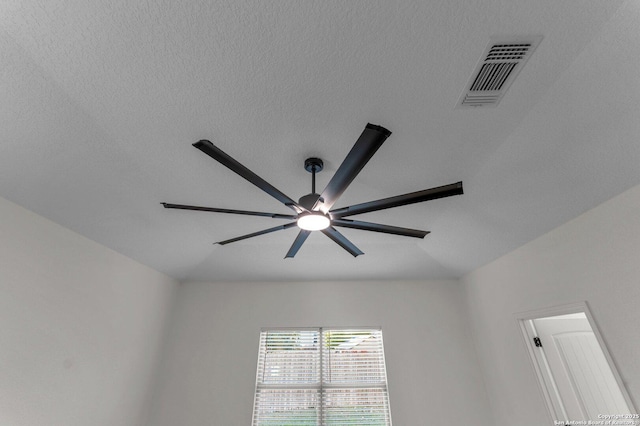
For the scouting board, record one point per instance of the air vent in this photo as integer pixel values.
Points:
(498, 67)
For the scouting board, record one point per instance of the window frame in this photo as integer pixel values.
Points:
(323, 387)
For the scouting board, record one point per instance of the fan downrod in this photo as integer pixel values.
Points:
(313, 165)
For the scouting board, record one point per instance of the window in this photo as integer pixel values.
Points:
(321, 376)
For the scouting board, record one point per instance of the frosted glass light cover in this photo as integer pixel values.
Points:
(313, 222)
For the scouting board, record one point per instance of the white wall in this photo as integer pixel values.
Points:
(80, 327)
(209, 361)
(594, 258)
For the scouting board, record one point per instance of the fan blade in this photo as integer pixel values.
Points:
(342, 241)
(216, 210)
(223, 158)
(367, 144)
(297, 243)
(255, 234)
(399, 200)
(376, 227)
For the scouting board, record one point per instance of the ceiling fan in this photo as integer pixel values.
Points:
(313, 212)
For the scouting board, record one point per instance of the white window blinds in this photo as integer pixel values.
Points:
(321, 377)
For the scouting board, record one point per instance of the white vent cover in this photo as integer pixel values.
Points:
(498, 67)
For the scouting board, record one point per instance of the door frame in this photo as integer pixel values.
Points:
(544, 379)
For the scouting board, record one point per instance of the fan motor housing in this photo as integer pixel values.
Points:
(309, 200)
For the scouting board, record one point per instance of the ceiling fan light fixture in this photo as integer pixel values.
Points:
(314, 212)
(314, 221)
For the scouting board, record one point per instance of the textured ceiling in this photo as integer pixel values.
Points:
(100, 102)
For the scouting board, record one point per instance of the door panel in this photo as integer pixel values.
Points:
(585, 382)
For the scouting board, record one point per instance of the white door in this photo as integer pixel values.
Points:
(585, 383)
